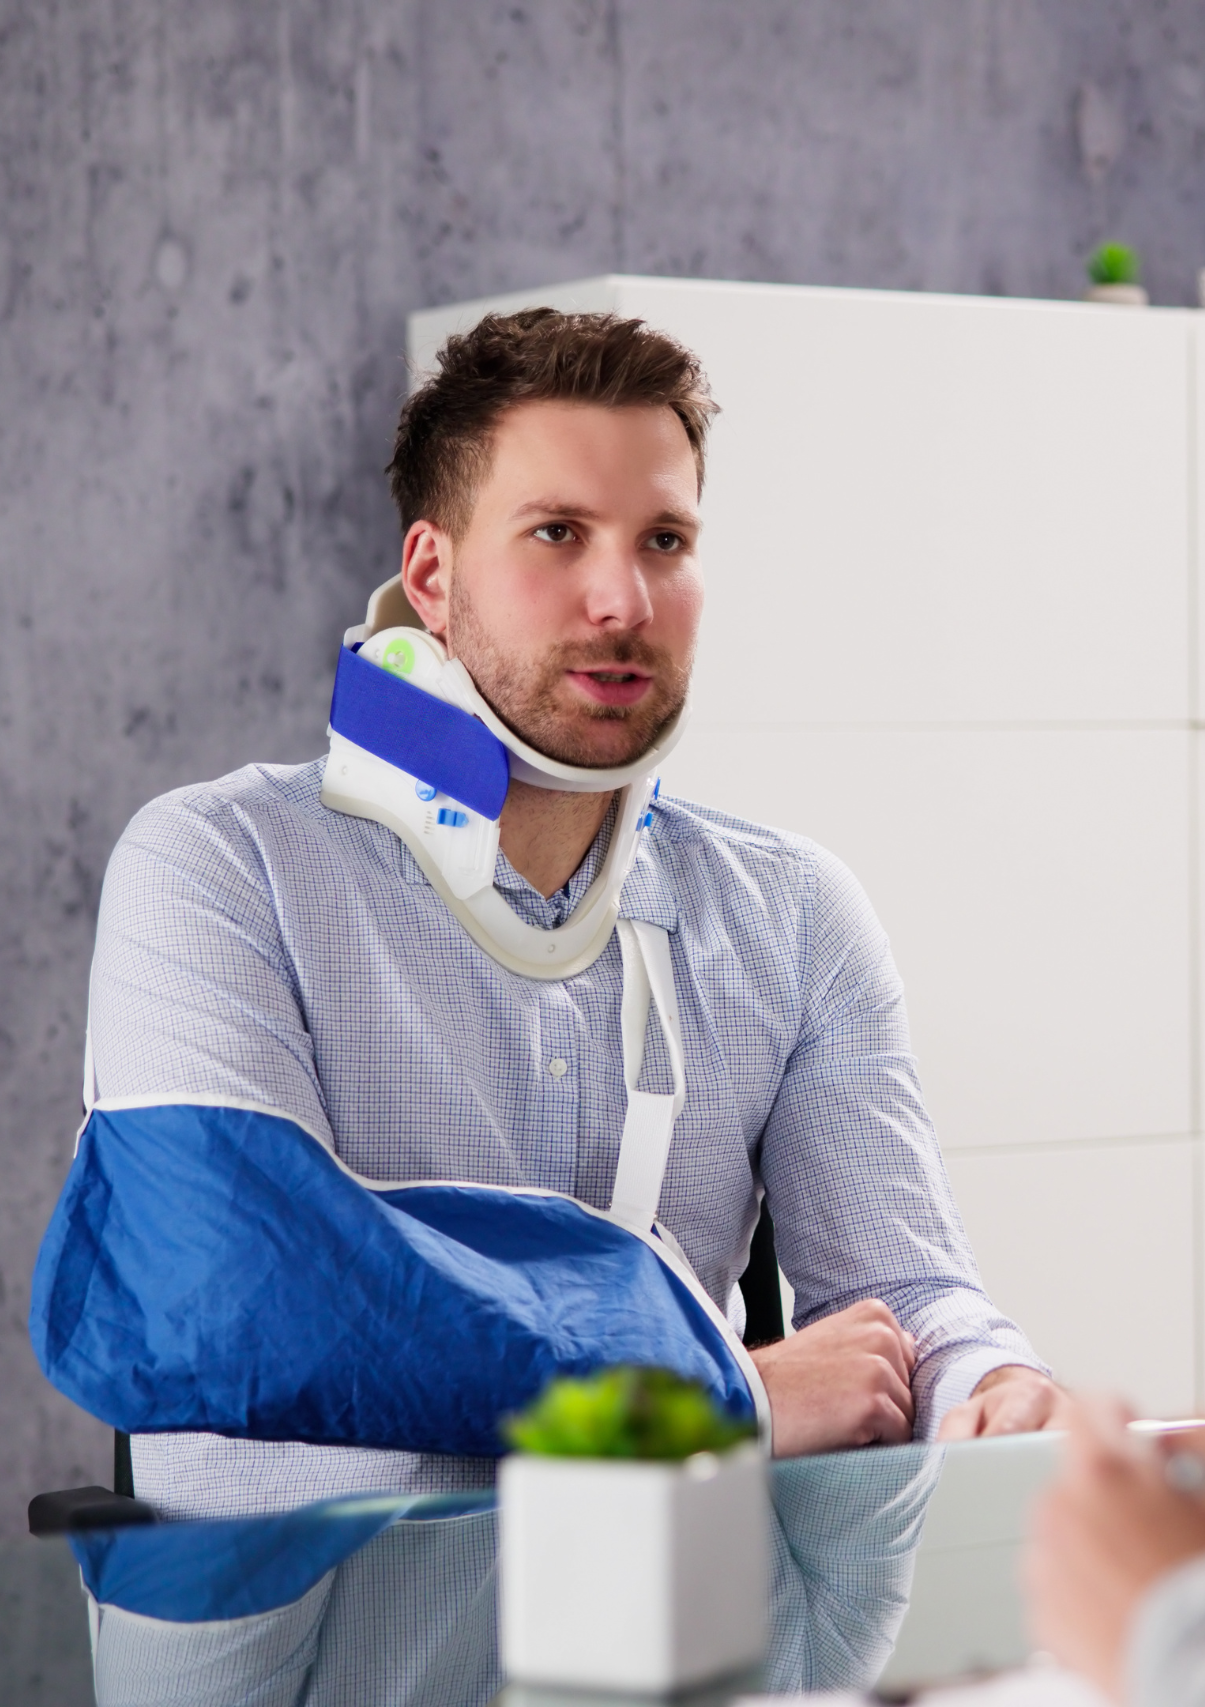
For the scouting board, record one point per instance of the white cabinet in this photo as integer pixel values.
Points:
(952, 633)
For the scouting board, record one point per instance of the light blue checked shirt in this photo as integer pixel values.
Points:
(254, 944)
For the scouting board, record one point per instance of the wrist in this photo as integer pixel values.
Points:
(764, 1356)
(1006, 1372)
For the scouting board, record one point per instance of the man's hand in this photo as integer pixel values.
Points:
(1010, 1400)
(844, 1381)
(1102, 1536)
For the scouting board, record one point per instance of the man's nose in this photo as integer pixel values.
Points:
(617, 594)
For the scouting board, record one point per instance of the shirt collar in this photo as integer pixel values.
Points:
(547, 912)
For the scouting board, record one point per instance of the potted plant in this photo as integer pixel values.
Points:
(633, 1537)
(1114, 270)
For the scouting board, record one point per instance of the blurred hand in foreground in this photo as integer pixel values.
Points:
(1009, 1400)
(1107, 1530)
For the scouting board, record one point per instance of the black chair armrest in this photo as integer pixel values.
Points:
(85, 1508)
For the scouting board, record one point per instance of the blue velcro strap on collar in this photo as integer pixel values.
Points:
(424, 736)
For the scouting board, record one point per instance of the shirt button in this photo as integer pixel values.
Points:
(557, 1067)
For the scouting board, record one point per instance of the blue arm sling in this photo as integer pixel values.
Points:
(214, 1267)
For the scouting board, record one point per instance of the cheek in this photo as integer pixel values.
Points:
(679, 611)
(514, 602)
(537, 612)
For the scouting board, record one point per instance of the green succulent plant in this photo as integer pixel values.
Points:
(624, 1413)
(1114, 264)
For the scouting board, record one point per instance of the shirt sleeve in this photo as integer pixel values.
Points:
(193, 993)
(861, 1203)
(193, 990)
(1165, 1660)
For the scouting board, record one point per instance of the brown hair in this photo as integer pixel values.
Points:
(442, 449)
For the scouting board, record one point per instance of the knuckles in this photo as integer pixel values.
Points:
(881, 1374)
(874, 1310)
(882, 1420)
(884, 1417)
(881, 1341)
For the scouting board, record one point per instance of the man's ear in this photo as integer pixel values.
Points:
(427, 574)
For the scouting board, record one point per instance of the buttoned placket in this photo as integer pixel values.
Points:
(556, 1068)
(560, 1087)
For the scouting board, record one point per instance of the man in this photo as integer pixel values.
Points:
(256, 945)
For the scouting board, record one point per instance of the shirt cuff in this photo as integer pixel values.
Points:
(1165, 1657)
(938, 1390)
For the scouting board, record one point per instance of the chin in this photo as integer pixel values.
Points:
(596, 737)
(600, 755)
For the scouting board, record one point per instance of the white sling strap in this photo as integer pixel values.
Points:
(648, 977)
(90, 1091)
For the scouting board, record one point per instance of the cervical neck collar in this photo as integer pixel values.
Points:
(415, 747)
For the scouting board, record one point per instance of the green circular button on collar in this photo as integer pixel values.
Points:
(399, 657)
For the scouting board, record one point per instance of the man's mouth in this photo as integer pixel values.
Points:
(618, 686)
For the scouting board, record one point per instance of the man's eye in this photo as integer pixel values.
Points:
(554, 533)
(664, 540)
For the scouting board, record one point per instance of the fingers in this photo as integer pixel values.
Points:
(1021, 1404)
(963, 1422)
(1021, 1408)
(891, 1414)
(880, 1342)
(1180, 1457)
(895, 1342)
(1011, 1399)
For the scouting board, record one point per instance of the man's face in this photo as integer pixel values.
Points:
(574, 596)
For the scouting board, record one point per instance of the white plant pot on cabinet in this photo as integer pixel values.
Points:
(628, 1575)
(1120, 295)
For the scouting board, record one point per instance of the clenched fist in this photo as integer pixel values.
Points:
(844, 1381)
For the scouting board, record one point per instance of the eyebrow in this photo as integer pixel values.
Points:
(558, 507)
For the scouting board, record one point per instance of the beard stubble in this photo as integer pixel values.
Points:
(531, 695)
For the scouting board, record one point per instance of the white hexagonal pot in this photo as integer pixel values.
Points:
(628, 1575)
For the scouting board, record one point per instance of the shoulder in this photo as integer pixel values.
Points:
(780, 903)
(263, 826)
(768, 882)
(245, 806)
(255, 846)
(691, 837)
(262, 833)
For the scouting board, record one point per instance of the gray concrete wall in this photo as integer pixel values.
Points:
(215, 219)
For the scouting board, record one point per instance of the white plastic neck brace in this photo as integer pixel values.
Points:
(458, 857)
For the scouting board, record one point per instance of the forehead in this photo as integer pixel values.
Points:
(630, 454)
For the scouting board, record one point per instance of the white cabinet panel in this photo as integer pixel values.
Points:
(1090, 1248)
(934, 508)
(929, 508)
(1035, 886)
(1198, 600)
